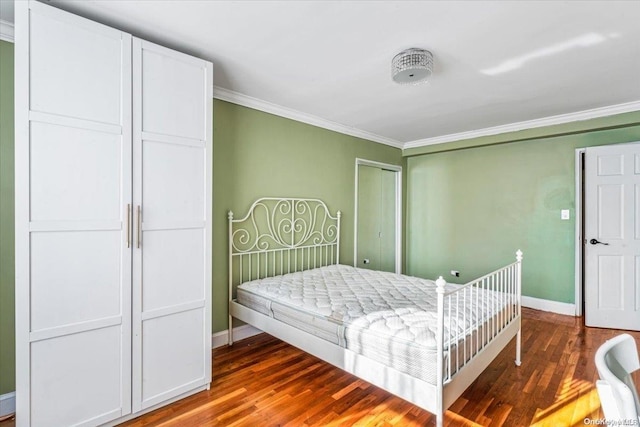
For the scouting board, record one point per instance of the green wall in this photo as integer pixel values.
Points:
(7, 341)
(470, 209)
(257, 154)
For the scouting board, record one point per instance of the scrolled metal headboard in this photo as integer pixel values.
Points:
(279, 236)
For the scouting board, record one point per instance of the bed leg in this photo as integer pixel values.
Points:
(230, 330)
(518, 348)
(440, 419)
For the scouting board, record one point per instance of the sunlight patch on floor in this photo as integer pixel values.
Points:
(453, 419)
(575, 401)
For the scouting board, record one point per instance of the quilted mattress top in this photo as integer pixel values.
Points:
(382, 303)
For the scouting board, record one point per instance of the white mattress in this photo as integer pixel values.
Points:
(387, 317)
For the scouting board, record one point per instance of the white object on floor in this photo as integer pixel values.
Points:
(616, 360)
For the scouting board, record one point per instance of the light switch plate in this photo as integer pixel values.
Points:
(564, 214)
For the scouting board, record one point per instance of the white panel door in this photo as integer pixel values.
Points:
(612, 233)
(377, 210)
(369, 217)
(73, 189)
(172, 199)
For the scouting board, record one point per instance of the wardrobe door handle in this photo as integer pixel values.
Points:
(128, 225)
(139, 225)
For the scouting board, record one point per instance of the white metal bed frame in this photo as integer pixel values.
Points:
(282, 235)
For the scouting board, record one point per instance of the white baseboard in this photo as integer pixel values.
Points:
(7, 31)
(7, 403)
(548, 305)
(239, 332)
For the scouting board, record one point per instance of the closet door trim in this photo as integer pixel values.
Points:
(398, 208)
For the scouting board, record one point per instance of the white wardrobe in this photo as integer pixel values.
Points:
(113, 213)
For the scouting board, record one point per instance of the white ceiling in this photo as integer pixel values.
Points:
(496, 62)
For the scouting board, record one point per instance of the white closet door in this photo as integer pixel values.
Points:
(172, 199)
(73, 175)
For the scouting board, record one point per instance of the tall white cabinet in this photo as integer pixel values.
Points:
(113, 213)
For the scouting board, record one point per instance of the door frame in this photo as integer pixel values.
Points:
(579, 234)
(398, 175)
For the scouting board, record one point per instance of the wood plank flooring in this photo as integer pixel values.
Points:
(262, 381)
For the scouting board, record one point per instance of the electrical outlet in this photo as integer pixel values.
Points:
(455, 273)
(564, 214)
(366, 261)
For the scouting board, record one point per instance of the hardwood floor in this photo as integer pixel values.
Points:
(262, 381)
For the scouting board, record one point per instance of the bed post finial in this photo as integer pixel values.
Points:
(230, 215)
(519, 255)
(440, 284)
(339, 214)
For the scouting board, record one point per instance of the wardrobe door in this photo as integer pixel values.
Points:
(73, 175)
(172, 200)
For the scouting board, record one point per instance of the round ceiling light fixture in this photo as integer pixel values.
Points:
(412, 66)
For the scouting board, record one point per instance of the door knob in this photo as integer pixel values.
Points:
(596, 242)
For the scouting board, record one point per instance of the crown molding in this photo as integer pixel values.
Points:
(268, 107)
(7, 31)
(529, 124)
